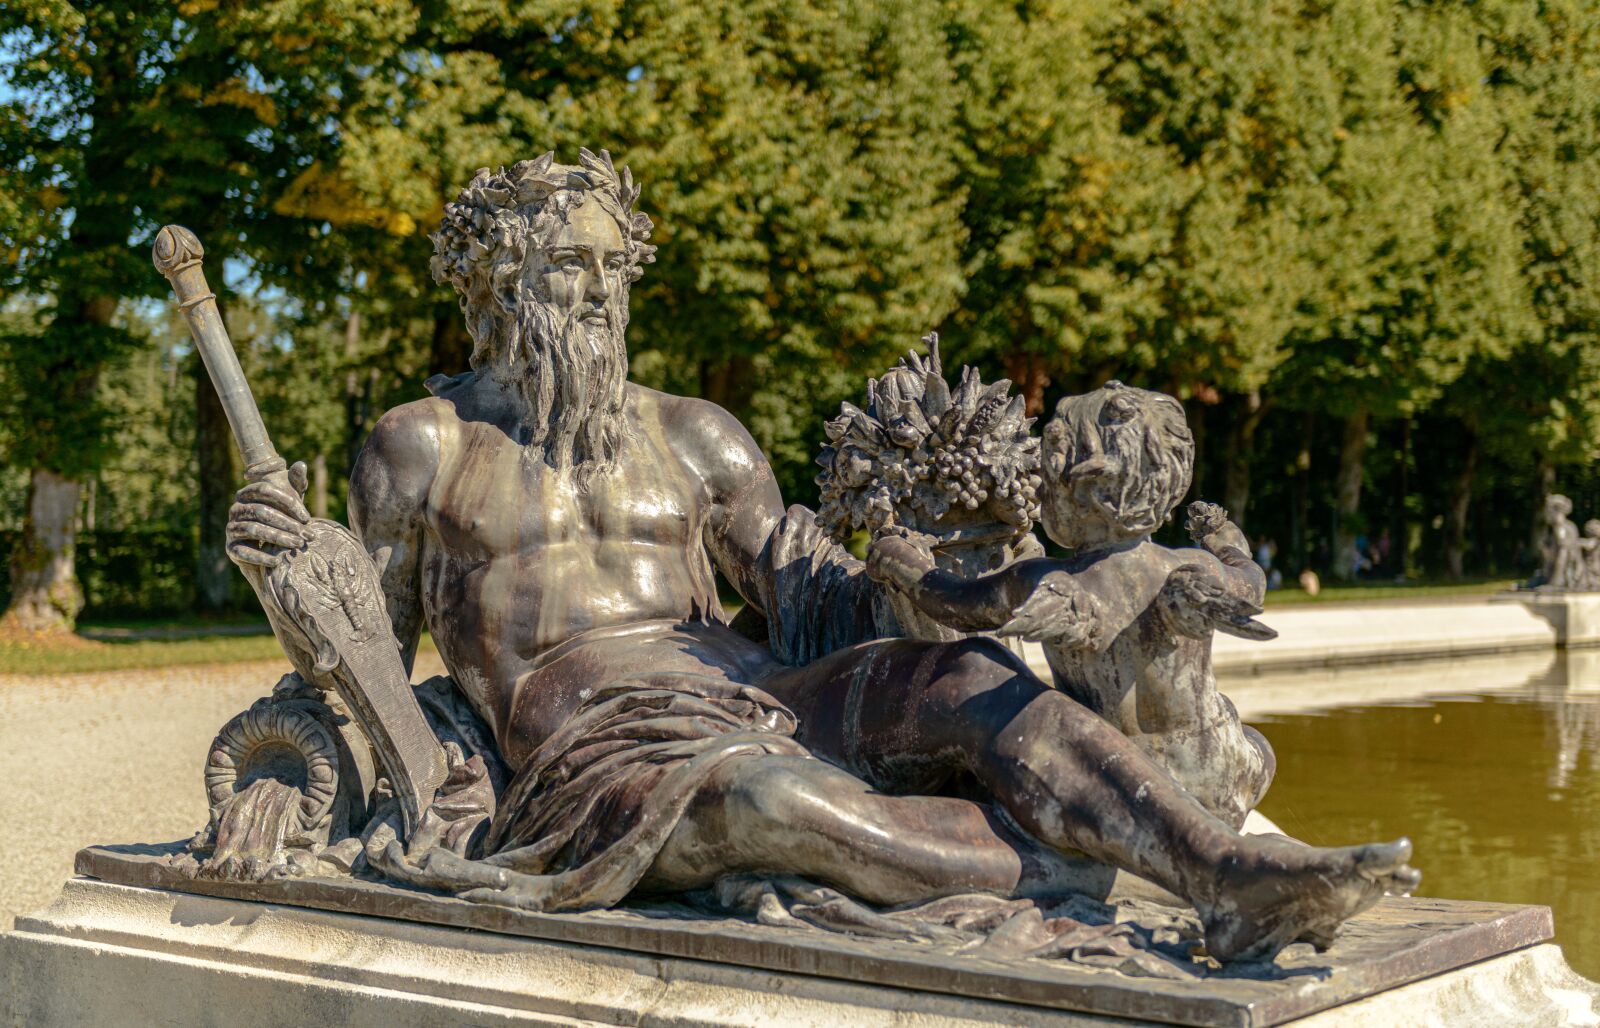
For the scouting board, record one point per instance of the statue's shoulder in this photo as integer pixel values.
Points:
(411, 431)
(402, 454)
(689, 418)
(700, 433)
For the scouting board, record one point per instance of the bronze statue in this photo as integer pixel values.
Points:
(557, 529)
(1126, 624)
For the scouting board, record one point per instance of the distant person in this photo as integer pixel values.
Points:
(1310, 582)
(1265, 552)
(1382, 552)
(1361, 560)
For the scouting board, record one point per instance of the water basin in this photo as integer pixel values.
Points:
(1490, 765)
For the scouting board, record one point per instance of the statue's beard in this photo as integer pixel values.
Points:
(571, 375)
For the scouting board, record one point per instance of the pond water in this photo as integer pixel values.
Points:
(1491, 766)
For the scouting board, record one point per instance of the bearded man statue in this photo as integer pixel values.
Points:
(558, 528)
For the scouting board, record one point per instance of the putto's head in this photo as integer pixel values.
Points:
(1116, 462)
(1557, 507)
(541, 256)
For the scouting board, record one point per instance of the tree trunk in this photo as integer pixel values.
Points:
(45, 595)
(1352, 453)
(1029, 372)
(1544, 478)
(1455, 543)
(319, 486)
(452, 345)
(1400, 515)
(1300, 509)
(220, 474)
(1195, 413)
(360, 385)
(1242, 427)
(723, 383)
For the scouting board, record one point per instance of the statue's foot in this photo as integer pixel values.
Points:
(1283, 891)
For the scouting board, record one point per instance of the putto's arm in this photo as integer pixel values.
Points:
(1211, 530)
(387, 492)
(983, 604)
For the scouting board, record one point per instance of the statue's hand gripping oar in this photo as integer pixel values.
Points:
(321, 595)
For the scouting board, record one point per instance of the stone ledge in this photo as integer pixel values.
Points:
(1314, 636)
(1399, 941)
(115, 954)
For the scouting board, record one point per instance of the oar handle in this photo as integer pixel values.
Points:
(177, 255)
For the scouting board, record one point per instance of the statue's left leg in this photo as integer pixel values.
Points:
(898, 710)
(794, 815)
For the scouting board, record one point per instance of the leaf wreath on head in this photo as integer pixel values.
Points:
(490, 221)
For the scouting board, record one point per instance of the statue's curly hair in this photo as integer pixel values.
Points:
(1131, 447)
(486, 232)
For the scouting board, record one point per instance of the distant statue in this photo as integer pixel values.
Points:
(1126, 623)
(1590, 545)
(1563, 566)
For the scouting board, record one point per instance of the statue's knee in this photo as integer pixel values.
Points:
(774, 793)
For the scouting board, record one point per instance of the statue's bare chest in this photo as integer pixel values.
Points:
(497, 498)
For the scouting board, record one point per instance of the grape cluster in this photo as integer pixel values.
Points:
(922, 450)
(970, 477)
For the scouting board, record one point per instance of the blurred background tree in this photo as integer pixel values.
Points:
(1358, 240)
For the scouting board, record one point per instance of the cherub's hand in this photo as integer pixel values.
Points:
(1209, 527)
(899, 561)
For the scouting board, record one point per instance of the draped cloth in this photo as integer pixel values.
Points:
(816, 598)
(585, 816)
(599, 798)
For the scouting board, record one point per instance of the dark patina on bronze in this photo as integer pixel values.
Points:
(857, 751)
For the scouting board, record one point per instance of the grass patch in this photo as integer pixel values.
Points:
(1399, 592)
(42, 655)
(149, 644)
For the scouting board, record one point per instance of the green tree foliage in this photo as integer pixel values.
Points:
(1064, 217)
(792, 157)
(1358, 239)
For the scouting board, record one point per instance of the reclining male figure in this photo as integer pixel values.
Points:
(556, 528)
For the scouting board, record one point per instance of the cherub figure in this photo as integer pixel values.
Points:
(1590, 545)
(1563, 550)
(1126, 623)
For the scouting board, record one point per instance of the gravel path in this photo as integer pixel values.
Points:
(112, 756)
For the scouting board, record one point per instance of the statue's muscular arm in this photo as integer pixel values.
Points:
(388, 494)
(745, 505)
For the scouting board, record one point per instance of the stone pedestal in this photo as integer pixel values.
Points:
(1574, 617)
(109, 953)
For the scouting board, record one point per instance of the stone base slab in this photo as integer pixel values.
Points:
(112, 954)
(115, 954)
